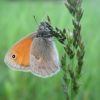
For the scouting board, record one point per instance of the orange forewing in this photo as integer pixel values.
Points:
(22, 51)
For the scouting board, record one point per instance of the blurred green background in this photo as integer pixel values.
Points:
(16, 21)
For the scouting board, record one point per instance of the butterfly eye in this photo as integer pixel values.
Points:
(13, 56)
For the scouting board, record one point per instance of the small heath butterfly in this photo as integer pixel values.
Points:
(35, 53)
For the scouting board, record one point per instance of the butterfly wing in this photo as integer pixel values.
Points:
(44, 59)
(18, 57)
(37, 55)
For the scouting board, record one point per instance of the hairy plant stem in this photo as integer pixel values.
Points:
(73, 49)
(74, 7)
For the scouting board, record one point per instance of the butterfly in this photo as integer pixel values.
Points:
(35, 53)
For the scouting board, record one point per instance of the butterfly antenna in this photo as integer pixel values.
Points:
(36, 20)
(49, 20)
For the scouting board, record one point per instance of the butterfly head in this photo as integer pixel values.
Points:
(44, 30)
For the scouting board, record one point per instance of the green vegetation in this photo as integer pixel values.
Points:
(16, 21)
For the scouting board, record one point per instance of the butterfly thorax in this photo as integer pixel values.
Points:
(44, 30)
